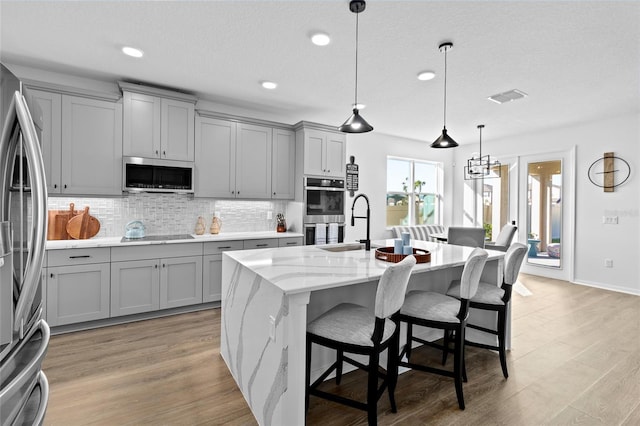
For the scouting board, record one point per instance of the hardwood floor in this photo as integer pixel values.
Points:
(575, 360)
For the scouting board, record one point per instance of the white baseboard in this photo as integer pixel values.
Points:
(635, 292)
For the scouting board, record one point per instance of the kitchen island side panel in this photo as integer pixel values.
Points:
(253, 342)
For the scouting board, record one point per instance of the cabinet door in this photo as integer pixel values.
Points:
(335, 152)
(215, 174)
(135, 287)
(253, 161)
(314, 142)
(141, 126)
(176, 135)
(212, 278)
(91, 146)
(283, 164)
(180, 281)
(50, 110)
(77, 293)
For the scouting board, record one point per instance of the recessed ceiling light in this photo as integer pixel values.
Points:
(320, 39)
(426, 75)
(132, 51)
(269, 85)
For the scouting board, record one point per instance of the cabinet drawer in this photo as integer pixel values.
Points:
(262, 243)
(221, 246)
(155, 251)
(80, 256)
(290, 241)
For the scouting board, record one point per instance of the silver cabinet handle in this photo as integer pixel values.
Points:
(261, 245)
(225, 247)
(85, 256)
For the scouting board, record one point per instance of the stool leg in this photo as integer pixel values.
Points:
(409, 339)
(458, 366)
(372, 389)
(446, 347)
(339, 361)
(392, 370)
(501, 345)
(307, 375)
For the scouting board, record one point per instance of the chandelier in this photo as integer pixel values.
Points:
(481, 166)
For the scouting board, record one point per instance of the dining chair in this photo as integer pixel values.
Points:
(466, 236)
(504, 238)
(490, 297)
(357, 329)
(439, 311)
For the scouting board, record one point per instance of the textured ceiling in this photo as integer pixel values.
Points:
(578, 61)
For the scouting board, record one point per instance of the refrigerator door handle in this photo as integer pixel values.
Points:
(35, 163)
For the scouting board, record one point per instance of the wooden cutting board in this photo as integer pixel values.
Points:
(58, 219)
(83, 226)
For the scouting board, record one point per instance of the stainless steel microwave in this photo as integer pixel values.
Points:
(157, 175)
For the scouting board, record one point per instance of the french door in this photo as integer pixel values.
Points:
(546, 211)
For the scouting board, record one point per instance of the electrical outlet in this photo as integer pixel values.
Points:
(608, 263)
(269, 215)
(217, 214)
(610, 220)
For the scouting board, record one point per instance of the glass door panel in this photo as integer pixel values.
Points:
(544, 213)
(496, 211)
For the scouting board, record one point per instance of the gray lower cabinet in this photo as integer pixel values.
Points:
(180, 281)
(148, 278)
(77, 285)
(135, 287)
(212, 268)
(290, 242)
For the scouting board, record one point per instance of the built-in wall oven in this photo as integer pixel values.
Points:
(324, 203)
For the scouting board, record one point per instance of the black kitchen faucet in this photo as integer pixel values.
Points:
(367, 242)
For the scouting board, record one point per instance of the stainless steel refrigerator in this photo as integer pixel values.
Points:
(24, 334)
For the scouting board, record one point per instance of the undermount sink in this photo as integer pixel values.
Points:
(344, 247)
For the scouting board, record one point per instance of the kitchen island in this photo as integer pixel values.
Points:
(269, 296)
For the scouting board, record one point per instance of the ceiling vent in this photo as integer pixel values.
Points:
(508, 96)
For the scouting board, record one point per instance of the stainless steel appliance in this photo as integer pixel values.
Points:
(156, 175)
(24, 334)
(324, 203)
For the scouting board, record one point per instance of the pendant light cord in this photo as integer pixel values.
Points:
(356, 94)
(445, 87)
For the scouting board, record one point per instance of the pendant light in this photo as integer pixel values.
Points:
(481, 166)
(355, 123)
(445, 141)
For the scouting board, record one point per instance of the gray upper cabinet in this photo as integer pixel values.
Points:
(243, 160)
(91, 146)
(283, 160)
(157, 123)
(76, 131)
(324, 152)
(215, 174)
(50, 110)
(253, 161)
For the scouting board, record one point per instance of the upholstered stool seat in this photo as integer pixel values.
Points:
(487, 293)
(351, 324)
(431, 306)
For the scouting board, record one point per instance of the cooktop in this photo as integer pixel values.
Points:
(158, 238)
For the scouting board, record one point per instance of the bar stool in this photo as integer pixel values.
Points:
(439, 311)
(490, 297)
(355, 329)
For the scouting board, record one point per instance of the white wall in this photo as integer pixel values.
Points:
(594, 241)
(371, 151)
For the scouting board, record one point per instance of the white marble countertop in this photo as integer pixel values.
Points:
(310, 268)
(116, 241)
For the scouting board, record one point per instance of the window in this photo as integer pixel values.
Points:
(413, 183)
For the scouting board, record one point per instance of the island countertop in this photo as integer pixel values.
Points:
(310, 268)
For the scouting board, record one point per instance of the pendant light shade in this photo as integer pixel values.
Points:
(445, 141)
(356, 123)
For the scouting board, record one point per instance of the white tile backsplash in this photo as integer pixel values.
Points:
(174, 213)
